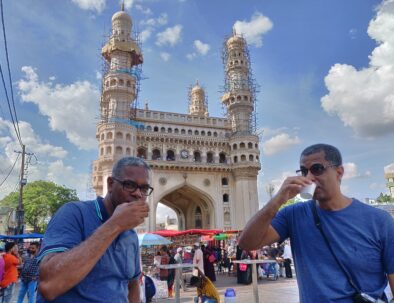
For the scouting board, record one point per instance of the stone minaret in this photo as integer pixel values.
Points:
(116, 130)
(197, 104)
(239, 99)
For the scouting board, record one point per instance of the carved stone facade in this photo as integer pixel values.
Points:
(204, 168)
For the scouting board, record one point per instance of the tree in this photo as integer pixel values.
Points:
(384, 198)
(41, 199)
(289, 202)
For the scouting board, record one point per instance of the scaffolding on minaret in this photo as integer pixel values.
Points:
(190, 99)
(232, 85)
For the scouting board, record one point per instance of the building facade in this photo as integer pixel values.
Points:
(204, 168)
(389, 176)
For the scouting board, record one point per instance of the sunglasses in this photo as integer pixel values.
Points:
(132, 186)
(316, 169)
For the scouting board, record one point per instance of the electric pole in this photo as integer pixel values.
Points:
(20, 214)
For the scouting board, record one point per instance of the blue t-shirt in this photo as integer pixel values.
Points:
(108, 281)
(362, 238)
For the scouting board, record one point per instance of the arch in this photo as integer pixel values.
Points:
(156, 155)
(102, 151)
(235, 159)
(234, 146)
(215, 134)
(109, 136)
(121, 82)
(184, 200)
(128, 83)
(183, 132)
(141, 152)
(190, 132)
(225, 198)
(242, 145)
(119, 135)
(176, 131)
(250, 157)
(222, 158)
(197, 156)
(202, 133)
(227, 220)
(128, 137)
(155, 129)
(170, 155)
(169, 130)
(128, 151)
(163, 130)
(149, 128)
(243, 158)
(256, 145)
(102, 137)
(198, 218)
(210, 157)
(209, 134)
(108, 150)
(119, 150)
(196, 133)
(250, 145)
(224, 181)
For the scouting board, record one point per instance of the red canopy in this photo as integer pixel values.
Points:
(174, 233)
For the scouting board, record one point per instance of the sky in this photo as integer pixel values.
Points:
(325, 71)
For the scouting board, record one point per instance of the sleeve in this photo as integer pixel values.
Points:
(137, 264)
(281, 223)
(64, 231)
(388, 244)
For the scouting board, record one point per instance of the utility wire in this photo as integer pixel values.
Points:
(12, 168)
(12, 113)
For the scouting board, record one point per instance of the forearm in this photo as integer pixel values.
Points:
(255, 233)
(62, 271)
(134, 292)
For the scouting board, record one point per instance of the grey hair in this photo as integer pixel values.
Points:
(331, 153)
(128, 161)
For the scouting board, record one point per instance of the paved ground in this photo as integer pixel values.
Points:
(280, 291)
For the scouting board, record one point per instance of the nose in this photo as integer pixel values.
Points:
(137, 193)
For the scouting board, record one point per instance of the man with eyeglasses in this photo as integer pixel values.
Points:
(90, 251)
(360, 236)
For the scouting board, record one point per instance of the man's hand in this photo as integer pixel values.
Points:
(290, 188)
(129, 215)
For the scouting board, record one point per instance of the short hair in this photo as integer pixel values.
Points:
(331, 153)
(128, 161)
(194, 280)
(9, 246)
(36, 244)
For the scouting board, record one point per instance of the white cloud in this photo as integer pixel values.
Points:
(353, 33)
(127, 3)
(93, 5)
(171, 36)
(45, 152)
(351, 171)
(165, 56)
(254, 29)
(201, 47)
(71, 109)
(145, 11)
(191, 56)
(279, 143)
(389, 168)
(145, 34)
(160, 21)
(364, 99)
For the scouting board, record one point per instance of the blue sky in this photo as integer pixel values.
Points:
(325, 70)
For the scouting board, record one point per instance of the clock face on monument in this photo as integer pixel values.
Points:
(184, 154)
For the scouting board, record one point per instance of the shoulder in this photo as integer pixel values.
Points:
(376, 212)
(297, 208)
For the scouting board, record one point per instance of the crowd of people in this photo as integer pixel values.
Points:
(15, 265)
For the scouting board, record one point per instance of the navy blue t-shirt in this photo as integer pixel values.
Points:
(108, 281)
(361, 236)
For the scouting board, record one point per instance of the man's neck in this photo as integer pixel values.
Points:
(335, 203)
(108, 205)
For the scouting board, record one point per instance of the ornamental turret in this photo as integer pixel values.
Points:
(197, 101)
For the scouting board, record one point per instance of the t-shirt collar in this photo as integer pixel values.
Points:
(100, 209)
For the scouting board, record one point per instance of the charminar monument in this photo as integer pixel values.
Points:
(204, 168)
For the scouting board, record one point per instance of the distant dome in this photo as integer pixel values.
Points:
(235, 39)
(197, 88)
(121, 16)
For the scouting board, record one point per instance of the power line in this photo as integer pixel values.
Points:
(12, 168)
(12, 113)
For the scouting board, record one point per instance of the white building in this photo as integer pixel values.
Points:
(204, 168)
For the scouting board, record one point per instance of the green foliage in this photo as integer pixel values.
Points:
(385, 198)
(41, 199)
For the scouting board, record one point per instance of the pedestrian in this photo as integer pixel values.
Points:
(287, 257)
(198, 259)
(209, 261)
(90, 252)
(10, 277)
(341, 246)
(29, 274)
(206, 291)
(179, 260)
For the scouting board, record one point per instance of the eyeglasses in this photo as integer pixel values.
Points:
(316, 169)
(132, 186)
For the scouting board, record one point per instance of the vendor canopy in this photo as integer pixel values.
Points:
(175, 233)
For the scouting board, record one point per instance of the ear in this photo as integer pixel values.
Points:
(110, 183)
(340, 171)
